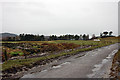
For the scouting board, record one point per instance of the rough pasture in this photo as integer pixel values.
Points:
(73, 47)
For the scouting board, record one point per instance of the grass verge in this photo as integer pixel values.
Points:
(115, 70)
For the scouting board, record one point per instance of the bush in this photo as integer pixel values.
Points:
(16, 53)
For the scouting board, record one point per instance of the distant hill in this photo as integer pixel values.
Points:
(4, 35)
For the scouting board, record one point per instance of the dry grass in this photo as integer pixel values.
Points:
(115, 70)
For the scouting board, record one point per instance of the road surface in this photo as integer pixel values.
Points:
(94, 64)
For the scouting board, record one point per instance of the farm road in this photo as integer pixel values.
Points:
(94, 64)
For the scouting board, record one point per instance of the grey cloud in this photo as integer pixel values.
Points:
(60, 17)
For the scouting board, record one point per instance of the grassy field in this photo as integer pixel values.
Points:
(81, 42)
(29, 61)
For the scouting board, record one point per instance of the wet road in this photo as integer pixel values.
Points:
(94, 64)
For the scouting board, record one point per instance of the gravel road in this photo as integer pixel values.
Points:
(94, 64)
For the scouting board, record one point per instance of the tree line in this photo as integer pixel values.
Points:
(31, 37)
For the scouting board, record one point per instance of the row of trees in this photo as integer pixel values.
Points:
(69, 37)
(103, 35)
(106, 34)
(31, 37)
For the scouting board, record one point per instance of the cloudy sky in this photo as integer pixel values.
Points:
(59, 16)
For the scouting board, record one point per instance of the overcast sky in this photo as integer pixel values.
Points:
(59, 16)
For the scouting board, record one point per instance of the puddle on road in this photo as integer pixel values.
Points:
(105, 61)
(115, 51)
(90, 75)
(99, 66)
(108, 57)
(27, 76)
(58, 66)
(65, 63)
(44, 70)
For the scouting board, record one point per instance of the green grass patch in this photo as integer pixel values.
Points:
(16, 53)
